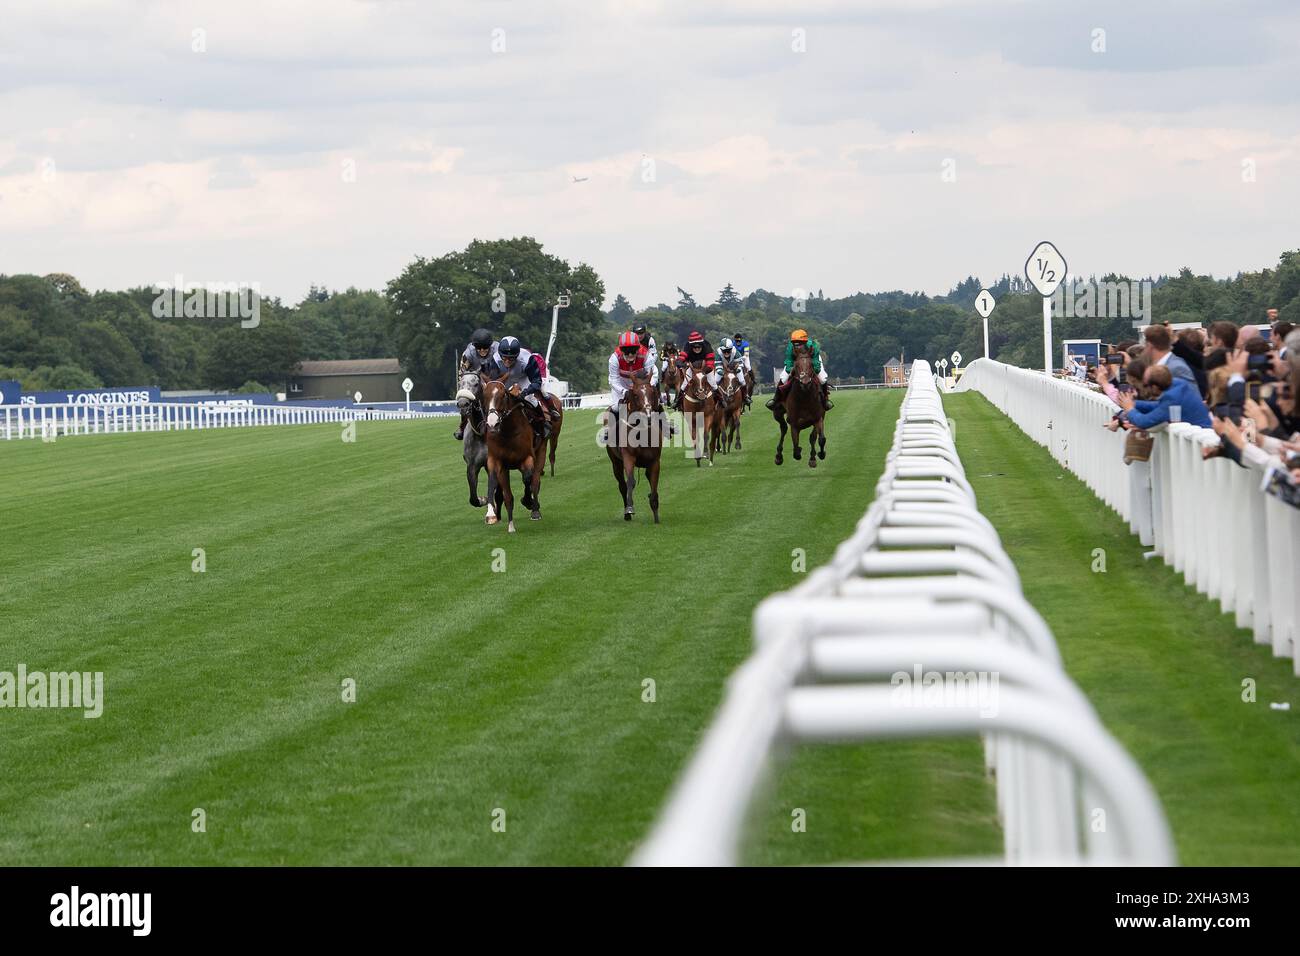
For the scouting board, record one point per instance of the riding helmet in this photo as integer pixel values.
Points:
(628, 340)
(695, 338)
(798, 335)
(481, 339)
(508, 347)
(640, 328)
(728, 345)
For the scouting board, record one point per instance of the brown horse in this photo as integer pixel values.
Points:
(701, 412)
(732, 389)
(802, 408)
(511, 443)
(636, 441)
(671, 379)
(557, 422)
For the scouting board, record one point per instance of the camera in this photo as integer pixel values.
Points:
(1230, 412)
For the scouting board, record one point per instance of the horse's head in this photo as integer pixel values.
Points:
(697, 387)
(469, 390)
(497, 402)
(803, 367)
(641, 396)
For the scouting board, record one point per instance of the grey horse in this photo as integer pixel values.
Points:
(475, 445)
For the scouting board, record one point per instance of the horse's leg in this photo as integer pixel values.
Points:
(780, 419)
(652, 473)
(508, 496)
(821, 437)
(555, 437)
(616, 462)
(629, 477)
(794, 439)
(471, 475)
(532, 469)
(812, 445)
(493, 493)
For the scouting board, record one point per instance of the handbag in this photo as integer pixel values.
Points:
(1137, 446)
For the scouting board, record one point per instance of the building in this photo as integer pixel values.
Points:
(895, 373)
(378, 380)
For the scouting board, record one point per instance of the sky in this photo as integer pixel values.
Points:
(840, 147)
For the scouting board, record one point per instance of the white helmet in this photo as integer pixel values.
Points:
(728, 345)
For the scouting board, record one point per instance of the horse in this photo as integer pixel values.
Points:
(556, 425)
(639, 444)
(732, 389)
(468, 398)
(699, 393)
(670, 380)
(802, 408)
(511, 443)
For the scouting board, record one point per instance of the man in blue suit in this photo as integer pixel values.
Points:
(1179, 402)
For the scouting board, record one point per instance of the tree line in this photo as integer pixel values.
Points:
(56, 335)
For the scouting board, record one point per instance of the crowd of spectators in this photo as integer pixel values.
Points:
(1240, 381)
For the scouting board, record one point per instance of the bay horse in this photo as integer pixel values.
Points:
(638, 443)
(511, 444)
(670, 379)
(474, 445)
(556, 424)
(697, 393)
(802, 408)
(732, 389)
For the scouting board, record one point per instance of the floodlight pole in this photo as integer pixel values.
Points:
(562, 302)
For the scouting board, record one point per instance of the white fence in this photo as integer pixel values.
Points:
(923, 588)
(49, 422)
(1207, 519)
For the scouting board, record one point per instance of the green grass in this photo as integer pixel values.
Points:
(1161, 664)
(475, 690)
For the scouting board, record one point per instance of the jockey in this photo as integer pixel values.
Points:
(476, 357)
(648, 342)
(742, 346)
(628, 358)
(697, 349)
(799, 342)
(523, 376)
(730, 359)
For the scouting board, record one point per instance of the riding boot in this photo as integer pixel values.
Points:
(826, 397)
(776, 398)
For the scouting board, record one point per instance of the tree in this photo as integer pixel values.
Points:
(267, 353)
(622, 313)
(436, 304)
(687, 301)
(728, 299)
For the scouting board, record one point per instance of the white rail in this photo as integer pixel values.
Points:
(1207, 519)
(50, 422)
(923, 587)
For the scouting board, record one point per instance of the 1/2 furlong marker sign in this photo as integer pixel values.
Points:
(1045, 270)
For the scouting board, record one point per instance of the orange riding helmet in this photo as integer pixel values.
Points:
(798, 335)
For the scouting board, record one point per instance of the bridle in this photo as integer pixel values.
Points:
(470, 383)
(514, 403)
(700, 382)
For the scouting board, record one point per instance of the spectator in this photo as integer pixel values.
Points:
(1178, 402)
(1159, 342)
(1189, 345)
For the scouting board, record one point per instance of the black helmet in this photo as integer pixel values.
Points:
(640, 328)
(508, 347)
(481, 339)
(739, 336)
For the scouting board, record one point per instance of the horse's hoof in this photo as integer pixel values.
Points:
(822, 454)
(656, 517)
(491, 519)
(798, 454)
(627, 516)
(812, 461)
(511, 527)
(780, 460)
(536, 516)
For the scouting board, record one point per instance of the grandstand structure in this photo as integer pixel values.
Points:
(917, 628)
